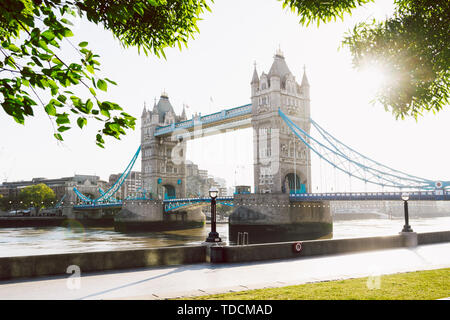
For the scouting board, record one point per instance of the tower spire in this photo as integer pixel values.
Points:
(183, 113)
(144, 112)
(255, 78)
(279, 53)
(305, 81)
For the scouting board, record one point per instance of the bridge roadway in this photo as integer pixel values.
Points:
(204, 278)
(171, 205)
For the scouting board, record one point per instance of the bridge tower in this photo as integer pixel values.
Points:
(282, 163)
(163, 158)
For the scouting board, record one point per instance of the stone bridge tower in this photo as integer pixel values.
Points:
(163, 158)
(282, 163)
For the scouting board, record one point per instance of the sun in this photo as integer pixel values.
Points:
(373, 78)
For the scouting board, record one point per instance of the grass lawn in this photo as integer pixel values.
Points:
(420, 285)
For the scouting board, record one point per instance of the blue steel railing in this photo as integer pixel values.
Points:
(117, 204)
(210, 118)
(413, 195)
(173, 204)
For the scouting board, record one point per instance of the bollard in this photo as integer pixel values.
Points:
(242, 238)
(245, 238)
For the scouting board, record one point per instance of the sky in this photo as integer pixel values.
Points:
(214, 73)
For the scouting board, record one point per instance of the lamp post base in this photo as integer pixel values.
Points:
(410, 239)
(213, 237)
(407, 228)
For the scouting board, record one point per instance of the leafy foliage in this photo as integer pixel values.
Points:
(413, 44)
(37, 196)
(31, 33)
(322, 11)
(150, 25)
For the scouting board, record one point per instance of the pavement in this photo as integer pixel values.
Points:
(201, 279)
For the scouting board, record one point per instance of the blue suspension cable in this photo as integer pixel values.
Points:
(422, 183)
(111, 191)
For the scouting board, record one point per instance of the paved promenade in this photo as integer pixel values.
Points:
(200, 279)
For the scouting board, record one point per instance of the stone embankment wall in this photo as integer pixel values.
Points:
(149, 215)
(45, 265)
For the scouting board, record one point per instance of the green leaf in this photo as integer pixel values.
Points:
(102, 85)
(37, 61)
(63, 128)
(83, 44)
(67, 33)
(110, 81)
(92, 91)
(50, 109)
(62, 118)
(62, 98)
(81, 122)
(89, 105)
(58, 136)
(13, 47)
(105, 113)
(90, 68)
(48, 35)
(66, 22)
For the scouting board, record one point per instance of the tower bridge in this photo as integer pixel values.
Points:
(280, 116)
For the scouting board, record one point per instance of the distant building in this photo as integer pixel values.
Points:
(198, 182)
(87, 184)
(223, 192)
(203, 174)
(131, 187)
(191, 168)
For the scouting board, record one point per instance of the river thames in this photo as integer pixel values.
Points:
(52, 240)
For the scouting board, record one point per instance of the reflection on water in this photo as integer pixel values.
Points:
(51, 240)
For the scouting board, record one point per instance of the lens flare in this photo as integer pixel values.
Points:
(373, 78)
(74, 227)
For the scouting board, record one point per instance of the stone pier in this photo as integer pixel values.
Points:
(149, 215)
(274, 218)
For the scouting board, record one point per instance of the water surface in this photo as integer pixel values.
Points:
(52, 240)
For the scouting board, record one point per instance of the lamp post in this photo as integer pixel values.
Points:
(406, 227)
(213, 235)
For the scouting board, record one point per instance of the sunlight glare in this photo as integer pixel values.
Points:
(373, 78)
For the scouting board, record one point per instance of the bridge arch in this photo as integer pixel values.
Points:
(293, 183)
(169, 191)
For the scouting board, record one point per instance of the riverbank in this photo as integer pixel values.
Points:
(169, 282)
(45, 265)
(53, 221)
(79, 238)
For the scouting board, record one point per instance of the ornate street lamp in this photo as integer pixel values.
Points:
(406, 227)
(213, 235)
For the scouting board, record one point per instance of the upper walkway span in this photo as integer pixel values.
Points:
(228, 119)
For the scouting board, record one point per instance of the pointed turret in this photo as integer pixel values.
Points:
(305, 82)
(144, 112)
(255, 81)
(154, 106)
(183, 113)
(163, 107)
(278, 72)
(279, 67)
(255, 78)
